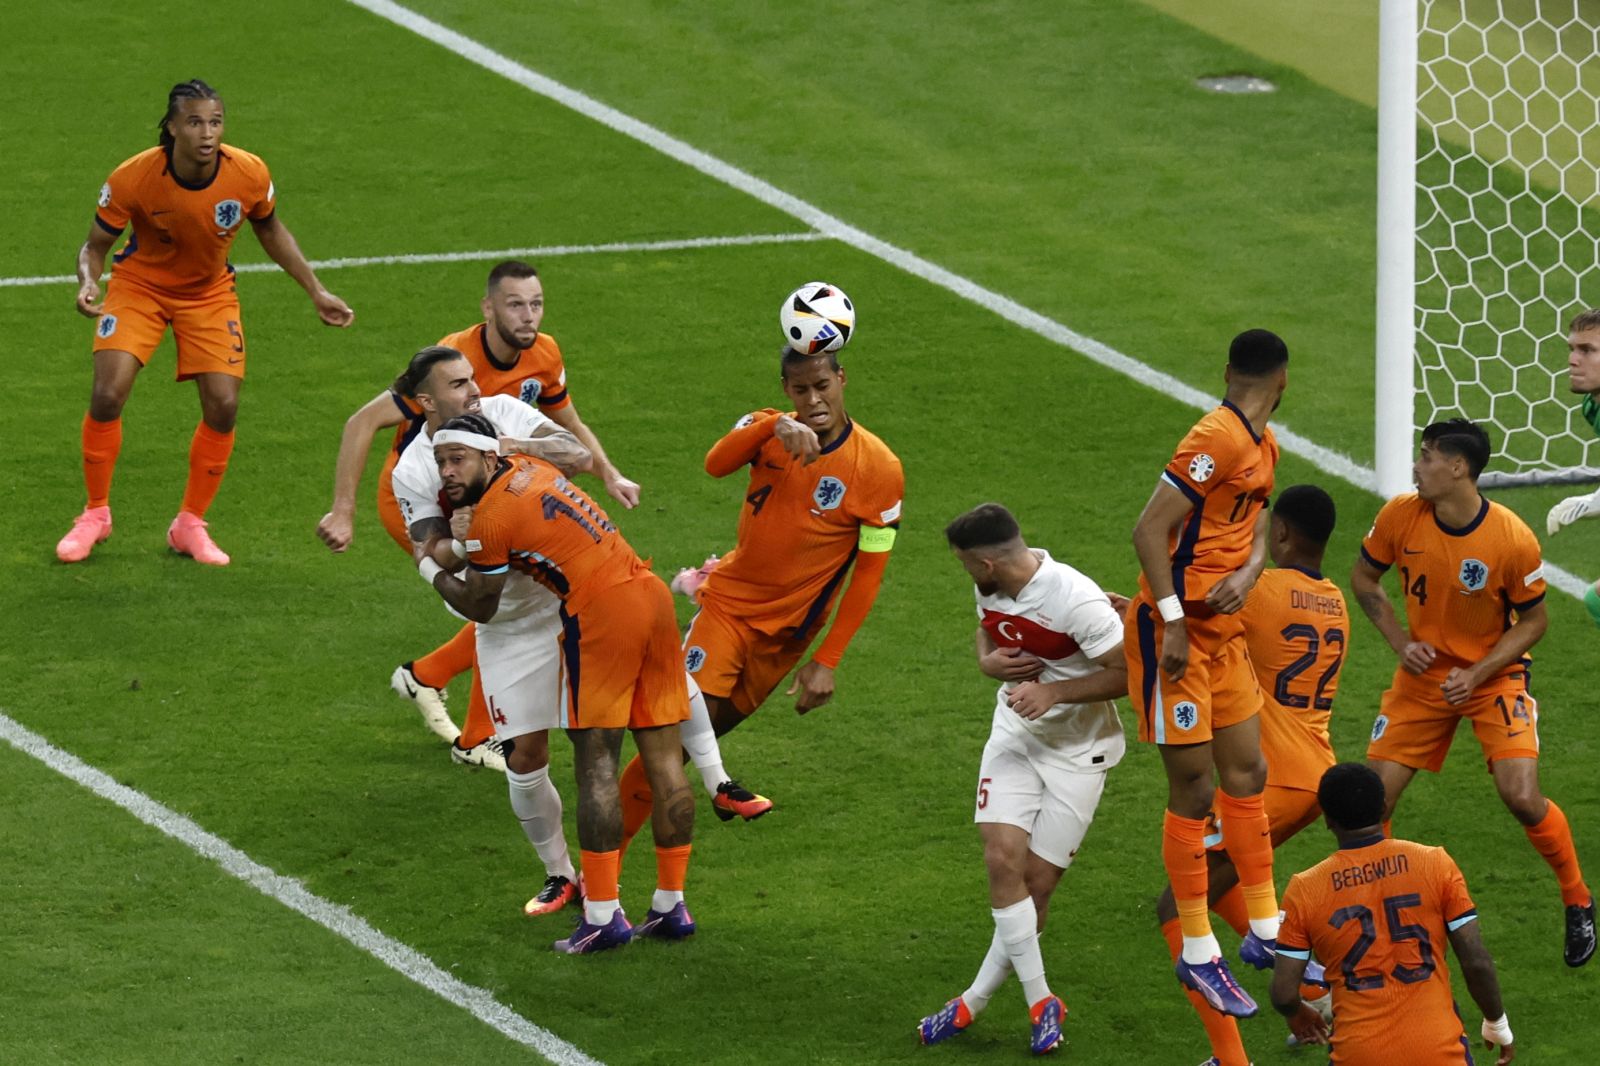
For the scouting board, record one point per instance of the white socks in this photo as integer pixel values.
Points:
(1201, 949)
(1017, 929)
(663, 901)
(537, 806)
(700, 740)
(991, 975)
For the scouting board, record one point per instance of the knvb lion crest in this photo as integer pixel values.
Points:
(694, 659)
(1474, 574)
(227, 213)
(1185, 715)
(828, 493)
(106, 326)
(530, 391)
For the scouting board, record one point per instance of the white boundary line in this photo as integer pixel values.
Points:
(1325, 459)
(338, 920)
(545, 251)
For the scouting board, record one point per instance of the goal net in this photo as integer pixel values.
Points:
(1507, 223)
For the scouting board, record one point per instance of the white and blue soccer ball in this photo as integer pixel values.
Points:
(817, 317)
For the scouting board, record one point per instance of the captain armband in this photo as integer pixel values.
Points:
(876, 538)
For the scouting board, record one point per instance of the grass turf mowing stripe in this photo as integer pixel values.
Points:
(292, 894)
(1323, 458)
(678, 245)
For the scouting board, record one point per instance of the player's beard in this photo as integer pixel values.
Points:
(988, 588)
(511, 340)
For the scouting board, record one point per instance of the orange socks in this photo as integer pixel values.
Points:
(451, 658)
(1231, 909)
(1221, 1030)
(1247, 835)
(672, 867)
(1552, 838)
(1183, 853)
(637, 799)
(102, 441)
(208, 461)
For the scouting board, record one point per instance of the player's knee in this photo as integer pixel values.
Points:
(1191, 797)
(527, 753)
(1006, 862)
(1525, 802)
(221, 414)
(106, 400)
(1247, 777)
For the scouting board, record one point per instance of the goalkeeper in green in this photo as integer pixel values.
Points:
(1583, 376)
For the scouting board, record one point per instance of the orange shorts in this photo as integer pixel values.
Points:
(1415, 725)
(1218, 688)
(134, 317)
(730, 660)
(620, 657)
(389, 507)
(1289, 810)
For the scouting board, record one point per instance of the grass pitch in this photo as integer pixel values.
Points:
(1054, 153)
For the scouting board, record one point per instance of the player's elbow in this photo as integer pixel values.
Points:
(480, 610)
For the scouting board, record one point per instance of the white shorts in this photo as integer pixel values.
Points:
(519, 665)
(1022, 782)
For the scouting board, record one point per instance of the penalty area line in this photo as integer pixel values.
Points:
(339, 920)
(741, 240)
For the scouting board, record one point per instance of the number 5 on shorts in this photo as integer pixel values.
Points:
(238, 338)
(983, 792)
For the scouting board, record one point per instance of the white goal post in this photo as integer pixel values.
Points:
(1488, 228)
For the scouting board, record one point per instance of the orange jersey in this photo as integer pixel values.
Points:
(1225, 470)
(801, 526)
(537, 377)
(532, 519)
(1463, 586)
(181, 232)
(1378, 916)
(1296, 628)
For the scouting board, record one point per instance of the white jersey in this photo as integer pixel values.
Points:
(1065, 619)
(417, 488)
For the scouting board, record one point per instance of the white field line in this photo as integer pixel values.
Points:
(338, 920)
(1324, 459)
(543, 252)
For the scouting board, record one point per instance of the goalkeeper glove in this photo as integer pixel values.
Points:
(1570, 510)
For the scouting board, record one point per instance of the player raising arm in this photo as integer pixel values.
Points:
(1473, 585)
(510, 356)
(822, 503)
(619, 645)
(186, 199)
(1583, 377)
(1052, 637)
(1202, 541)
(1376, 912)
(1296, 629)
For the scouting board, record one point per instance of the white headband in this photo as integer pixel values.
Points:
(467, 437)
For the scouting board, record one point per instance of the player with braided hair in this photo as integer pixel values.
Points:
(186, 200)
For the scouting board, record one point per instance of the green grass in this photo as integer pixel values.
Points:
(1003, 140)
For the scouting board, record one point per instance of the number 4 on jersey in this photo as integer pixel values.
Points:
(758, 499)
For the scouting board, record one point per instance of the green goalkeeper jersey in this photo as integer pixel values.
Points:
(1591, 411)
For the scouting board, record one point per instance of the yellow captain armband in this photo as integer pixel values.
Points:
(876, 538)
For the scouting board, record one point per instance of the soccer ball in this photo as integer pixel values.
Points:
(817, 317)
